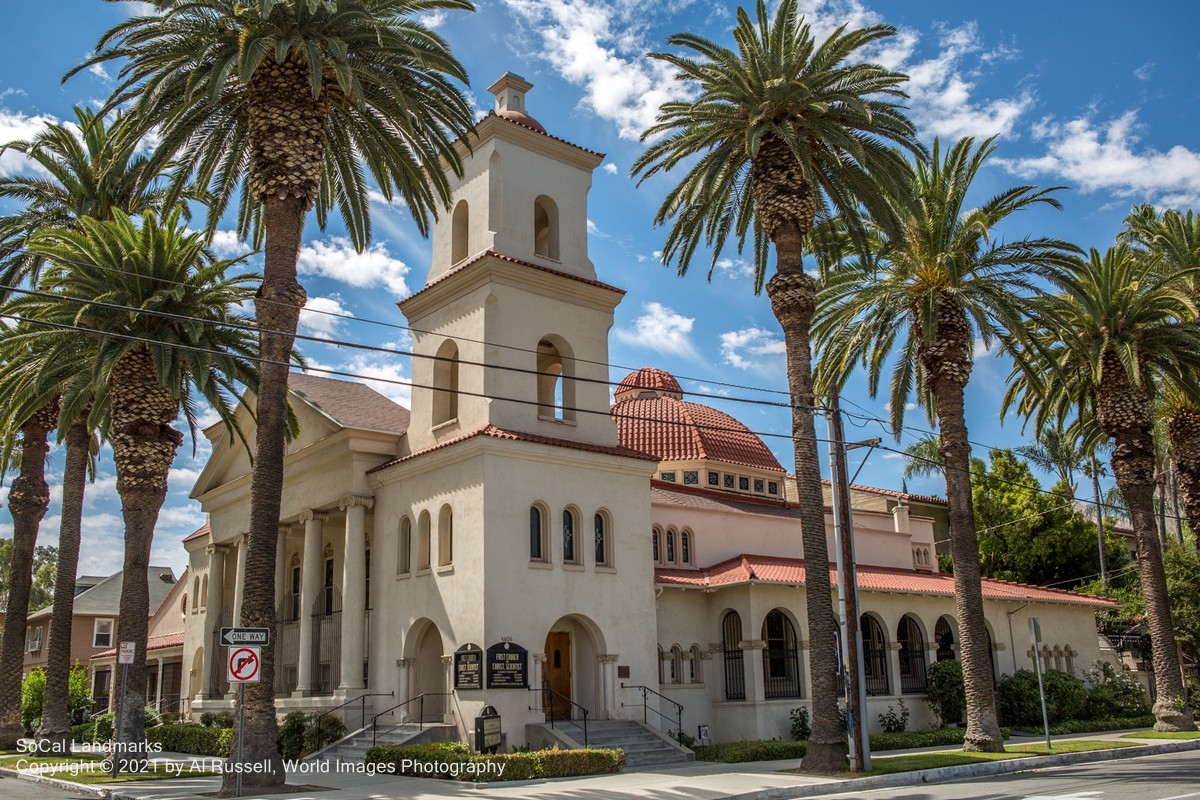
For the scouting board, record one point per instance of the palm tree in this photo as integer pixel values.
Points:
(940, 281)
(292, 104)
(87, 173)
(1173, 237)
(1115, 334)
(161, 310)
(923, 457)
(778, 130)
(28, 498)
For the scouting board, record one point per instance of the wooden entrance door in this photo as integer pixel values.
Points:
(557, 676)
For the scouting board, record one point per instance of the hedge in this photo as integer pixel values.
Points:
(194, 739)
(737, 752)
(521, 766)
(930, 738)
(1096, 725)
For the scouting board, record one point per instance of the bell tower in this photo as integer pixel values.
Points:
(511, 329)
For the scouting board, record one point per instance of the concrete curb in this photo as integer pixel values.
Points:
(57, 783)
(945, 774)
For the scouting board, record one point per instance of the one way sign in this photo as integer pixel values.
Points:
(233, 637)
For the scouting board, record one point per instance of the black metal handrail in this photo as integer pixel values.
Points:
(363, 712)
(419, 700)
(646, 708)
(549, 709)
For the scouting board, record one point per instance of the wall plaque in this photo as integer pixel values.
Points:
(507, 666)
(468, 667)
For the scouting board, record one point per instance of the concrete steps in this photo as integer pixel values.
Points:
(353, 748)
(643, 745)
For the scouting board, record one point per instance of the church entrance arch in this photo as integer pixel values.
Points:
(425, 651)
(571, 669)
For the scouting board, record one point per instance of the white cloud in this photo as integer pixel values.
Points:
(337, 259)
(1144, 72)
(316, 319)
(735, 268)
(753, 348)
(15, 126)
(1104, 156)
(600, 48)
(981, 350)
(98, 71)
(610, 168)
(662, 330)
(226, 244)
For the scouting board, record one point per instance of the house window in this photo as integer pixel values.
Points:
(670, 547)
(570, 556)
(714, 479)
(691, 477)
(423, 541)
(781, 662)
(102, 634)
(734, 657)
(874, 655)
(445, 383)
(460, 227)
(676, 665)
(695, 675)
(545, 227)
(33, 640)
(758, 485)
(654, 539)
(404, 548)
(600, 524)
(537, 534)
(445, 537)
(295, 599)
(685, 547)
(744, 483)
(772, 487)
(555, 387)
(326, 678)
(669, 476)
(101, 689)
(728, 481)
(329, 591)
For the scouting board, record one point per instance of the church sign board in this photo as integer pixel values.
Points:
(507, 666)
(468, 667)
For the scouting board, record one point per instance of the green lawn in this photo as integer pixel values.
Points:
(1162, 735)
(886, 765)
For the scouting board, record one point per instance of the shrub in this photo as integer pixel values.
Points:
(1095, 725)
(1066, 696)
(893, 722)
(1020, 703)
(801, 728)
(1114, 693)
(33, 690)
(944, 690)
(194, 739)
(104, 726)
(737, 752)
(153, 719)
(85, 732)
(932, 738)
(217, 719)
(332, 729)
(524, 765)
(291, 735)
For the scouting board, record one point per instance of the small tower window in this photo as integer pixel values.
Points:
(670, 547)
(459, 232)
(445, 537)
(685, 546)
(570, 552)
(423, 541)
(404, 553)
(654, 538)
(603, 556)
(537, 534)
(445, 383)
(555, 387)
(545, 227)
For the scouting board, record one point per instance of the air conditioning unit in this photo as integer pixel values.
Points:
(34, 644)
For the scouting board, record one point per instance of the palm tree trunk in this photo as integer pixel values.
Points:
(144, 445)
(56, 710)
(1125, 413)
(277, 322)
(793, 299)
(28, 498)
(1183, 430)
(947, 361)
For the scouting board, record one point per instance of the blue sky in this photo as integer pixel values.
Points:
(1094, 96)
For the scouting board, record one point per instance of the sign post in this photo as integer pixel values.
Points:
(243, 667)
(125, 653)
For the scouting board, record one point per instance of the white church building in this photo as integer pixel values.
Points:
(524, 540)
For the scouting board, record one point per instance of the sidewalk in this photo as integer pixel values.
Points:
(762, 780)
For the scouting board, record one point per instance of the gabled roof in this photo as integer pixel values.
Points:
(495, 432)
(104, 599)
(153, 643)
(777, 569)
(350, 404)
(199, 533)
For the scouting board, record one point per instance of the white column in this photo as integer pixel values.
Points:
(448, 682)
(212, 616)
(609, 705)
(535, 678)
(158, 696)
(893, 657)
(239, 580)
(403, 692)
(310, 588)
(354, 597)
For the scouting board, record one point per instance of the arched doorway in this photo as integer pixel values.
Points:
(571, 673)
(425, 649)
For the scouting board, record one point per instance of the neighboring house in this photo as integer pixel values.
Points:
(93, 625)
(519, 530)
(164, 653)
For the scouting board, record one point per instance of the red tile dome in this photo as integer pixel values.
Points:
(652, 418)
(521, 118)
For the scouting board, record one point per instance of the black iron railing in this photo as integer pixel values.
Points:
(361, 700)
(418, 701)
(647, 708)
(551, 709)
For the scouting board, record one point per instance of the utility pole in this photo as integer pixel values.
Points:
(851, 636)
(1099, 520)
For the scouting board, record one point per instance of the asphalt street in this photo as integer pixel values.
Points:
(1172, 776)
(17, 789)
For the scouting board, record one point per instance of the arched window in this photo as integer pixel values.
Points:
(555, 387)
(445, 537)
(685, 547)
(661, 660)
(695, 666)
(570, 551)
(943, 634)
(404, 551)
(537, 534)
(460, 228)
(545, 227)
(196, 592)
(670, 547)
(912, 656)
(874, 655)
(781, 661)
(1069, 658)
(676, 665)
(204, 593)
(731, 650)
(445, 383)
(423, 553)
(603, 545)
